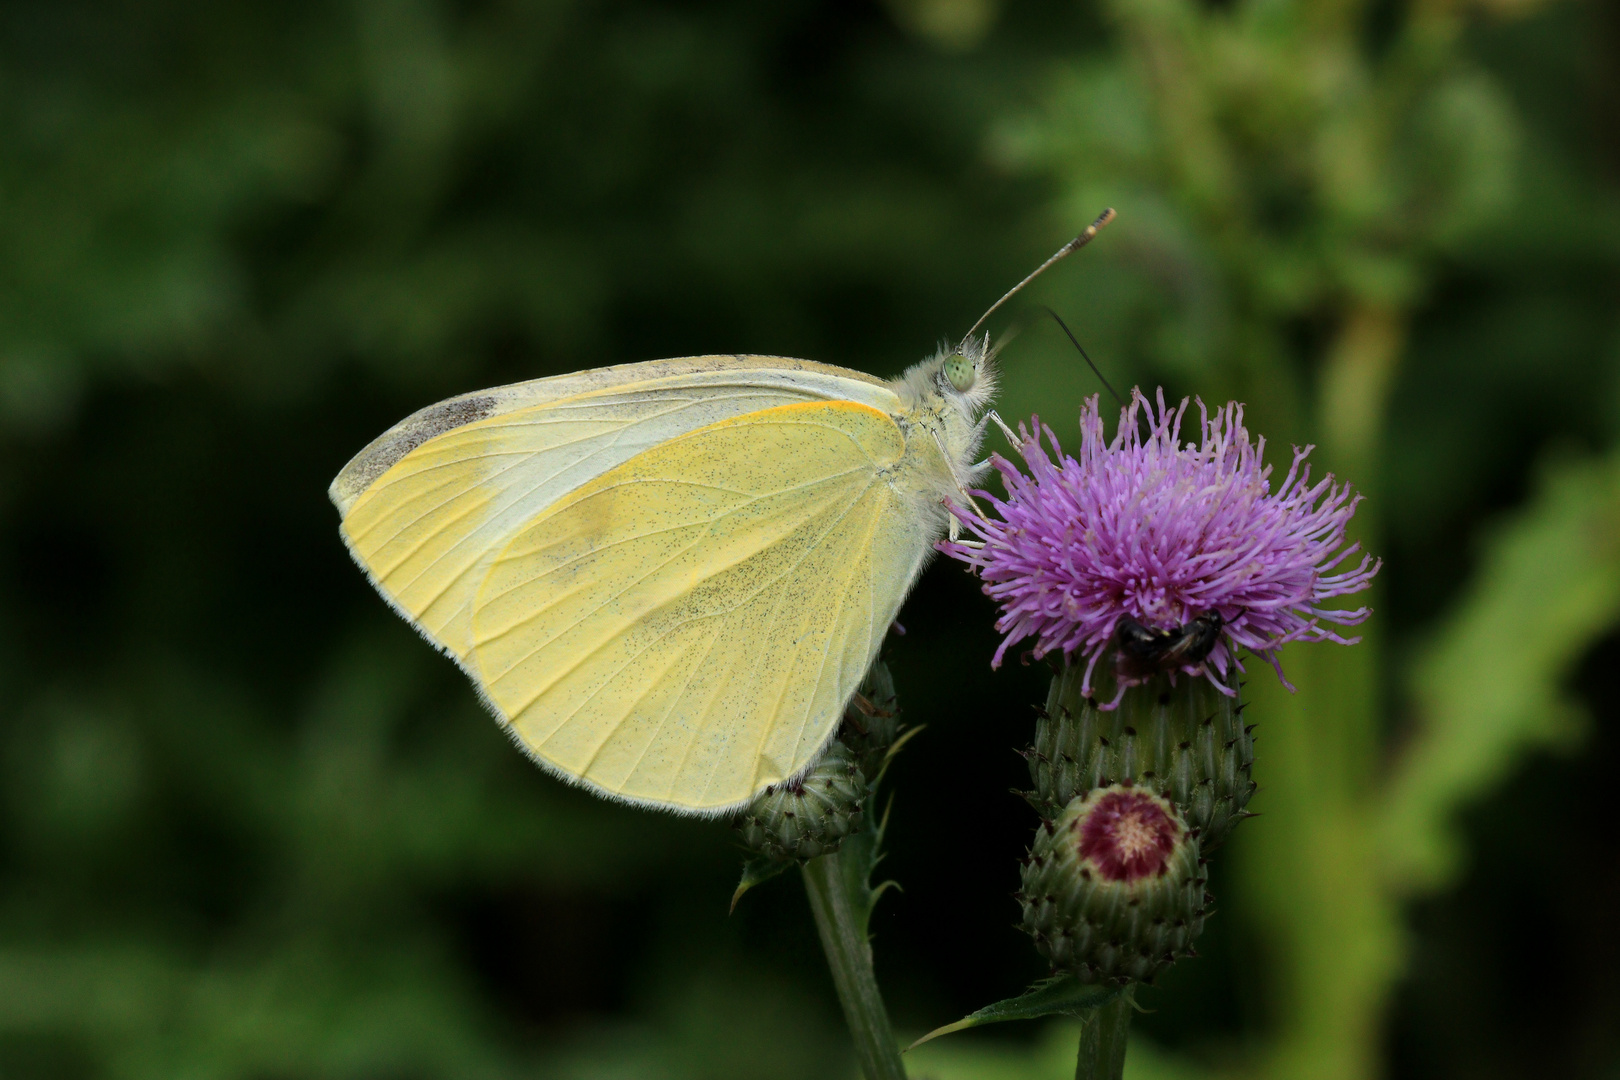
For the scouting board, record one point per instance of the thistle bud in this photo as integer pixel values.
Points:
(1113, 889)
(872, 721)
(1186, 742)
(809, 816)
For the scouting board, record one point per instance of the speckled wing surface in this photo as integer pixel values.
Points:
(668, 578)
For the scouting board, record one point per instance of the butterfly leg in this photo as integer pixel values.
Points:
(961, 489)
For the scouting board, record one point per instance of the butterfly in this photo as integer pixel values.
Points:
(667, 579)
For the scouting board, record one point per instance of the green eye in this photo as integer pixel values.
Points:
(962, 372)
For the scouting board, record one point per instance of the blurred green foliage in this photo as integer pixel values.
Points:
(251, 827)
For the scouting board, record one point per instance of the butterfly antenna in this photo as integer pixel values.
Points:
(1094, 369)
(1066, 250)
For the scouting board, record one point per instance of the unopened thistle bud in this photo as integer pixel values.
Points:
(811, 816)
(1113, 889)
(872, 721)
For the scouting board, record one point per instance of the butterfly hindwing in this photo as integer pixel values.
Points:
(686, 627)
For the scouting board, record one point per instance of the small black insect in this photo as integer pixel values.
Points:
(1144, 650)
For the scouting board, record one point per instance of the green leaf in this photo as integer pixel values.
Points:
(1061, 995)
(1490, 685)
(859, 856)
(755, 871)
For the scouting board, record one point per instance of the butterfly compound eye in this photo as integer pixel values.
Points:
(961, 371)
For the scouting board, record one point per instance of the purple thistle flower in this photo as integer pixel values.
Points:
(1151, 529)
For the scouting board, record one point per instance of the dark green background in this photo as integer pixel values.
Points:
(251, 826)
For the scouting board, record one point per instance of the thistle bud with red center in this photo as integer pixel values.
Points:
(1113, 889)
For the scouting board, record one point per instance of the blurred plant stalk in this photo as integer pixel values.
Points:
(841, 903)
(1314, 876)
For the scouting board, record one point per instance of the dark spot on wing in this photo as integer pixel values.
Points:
(443, 417)
(407, 435)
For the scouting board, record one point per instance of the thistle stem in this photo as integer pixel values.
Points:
(849, 955)
(1102, 1041)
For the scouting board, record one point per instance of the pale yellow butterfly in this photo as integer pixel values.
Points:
(667, 579)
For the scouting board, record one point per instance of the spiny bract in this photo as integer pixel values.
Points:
(1187, 743)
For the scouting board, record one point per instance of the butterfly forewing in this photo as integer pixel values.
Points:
(430, 503)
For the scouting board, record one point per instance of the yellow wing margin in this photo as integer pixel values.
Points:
(686, 628)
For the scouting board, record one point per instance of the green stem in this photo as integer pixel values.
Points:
(849, 955)
(1102, 1041)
